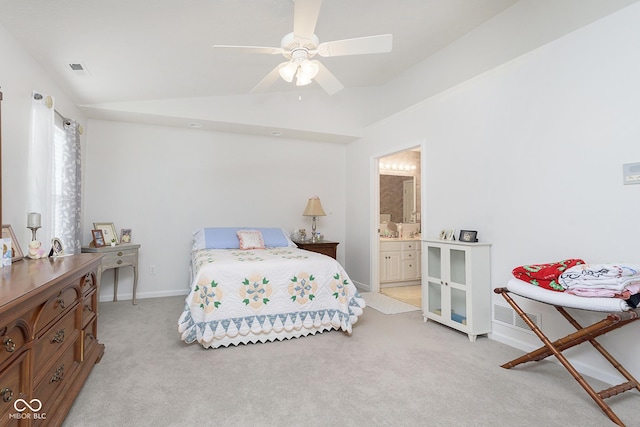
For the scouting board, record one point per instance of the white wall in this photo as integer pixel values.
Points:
(165, 182)
(530, 154)
(20, 74)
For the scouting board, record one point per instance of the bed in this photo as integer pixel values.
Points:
(251, 285)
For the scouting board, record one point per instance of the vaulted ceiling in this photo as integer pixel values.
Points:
(152, 60)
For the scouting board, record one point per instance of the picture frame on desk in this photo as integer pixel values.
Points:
(98, 238)
(7, 233)
(108, 231)
(125, 235)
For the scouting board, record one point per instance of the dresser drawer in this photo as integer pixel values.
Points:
(55, 339)
(56, 377)
(119, 258)
(12, 339)
(12, 386)
(89, 336)
(88, 308)
(56, 306)
(88, 282)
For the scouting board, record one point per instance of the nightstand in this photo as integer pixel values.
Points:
(115, 257)
(322, 247)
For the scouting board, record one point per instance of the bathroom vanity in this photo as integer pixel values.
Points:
(399, 261)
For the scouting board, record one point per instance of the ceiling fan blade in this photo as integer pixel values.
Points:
(305, 17)
(269, 79)
(327, 80)
(250, 49)
(358, 46)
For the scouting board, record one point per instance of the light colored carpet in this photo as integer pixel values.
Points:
(392, 371)
(385, 304)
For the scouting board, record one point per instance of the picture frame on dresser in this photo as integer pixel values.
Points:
(108, 231)
(57, 247)
(7, 233)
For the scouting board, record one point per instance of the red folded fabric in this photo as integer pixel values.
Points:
(545, 275)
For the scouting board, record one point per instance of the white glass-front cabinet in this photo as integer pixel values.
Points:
(456, 286)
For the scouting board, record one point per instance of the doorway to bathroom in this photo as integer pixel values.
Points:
(399, 226)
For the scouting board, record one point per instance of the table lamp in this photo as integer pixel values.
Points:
(314, 209)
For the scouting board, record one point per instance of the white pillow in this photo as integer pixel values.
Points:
(250, 239)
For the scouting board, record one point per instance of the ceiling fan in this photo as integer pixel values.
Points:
(302, 44)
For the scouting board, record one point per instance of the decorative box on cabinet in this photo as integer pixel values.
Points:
(48, 336)
(399, 262)
(456, 287)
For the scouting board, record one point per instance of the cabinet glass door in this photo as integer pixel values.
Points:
(434, 262)
(458, 263)
(435, 298)
(459, 306)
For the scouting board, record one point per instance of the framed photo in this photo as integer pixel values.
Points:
(98, 238)
(125, 235)
(7, 233)
(56, 247)
(443, 234)
(468, 236)
(108, 231)
(450, 235)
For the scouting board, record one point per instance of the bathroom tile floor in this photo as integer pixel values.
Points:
(409, 294)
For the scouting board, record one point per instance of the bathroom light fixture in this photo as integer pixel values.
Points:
(314, 209)
(397, 167)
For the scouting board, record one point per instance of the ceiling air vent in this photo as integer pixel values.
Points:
(79, 69)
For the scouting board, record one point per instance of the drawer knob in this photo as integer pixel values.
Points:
(58, 337)
(119, 261)
(9, 345)
(61, 303)
(57, 375)
(119, 253)
(7, 394)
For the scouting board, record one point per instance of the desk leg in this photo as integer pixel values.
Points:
(115, 283)
(135, 283)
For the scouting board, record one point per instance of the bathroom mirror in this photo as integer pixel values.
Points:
(398, 197)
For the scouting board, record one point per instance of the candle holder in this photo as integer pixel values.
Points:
(33, 232)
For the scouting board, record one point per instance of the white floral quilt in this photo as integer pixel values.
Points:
(241, 296)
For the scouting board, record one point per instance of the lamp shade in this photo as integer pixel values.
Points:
(314, 207)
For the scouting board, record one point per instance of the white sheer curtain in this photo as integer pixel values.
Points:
(67, 190)
(55, 175)
(39, 165)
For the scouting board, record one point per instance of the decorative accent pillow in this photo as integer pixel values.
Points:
(250, 239)
(227, 237)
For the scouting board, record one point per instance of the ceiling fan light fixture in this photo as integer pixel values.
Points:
(309, 69)
(288, 71)
(302, 79)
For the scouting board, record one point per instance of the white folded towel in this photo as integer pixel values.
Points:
(605, 276)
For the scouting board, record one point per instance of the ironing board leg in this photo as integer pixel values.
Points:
(563, 360)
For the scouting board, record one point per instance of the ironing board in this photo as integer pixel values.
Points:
(618, 314)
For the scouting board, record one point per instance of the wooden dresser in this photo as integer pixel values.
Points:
(48, 337)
